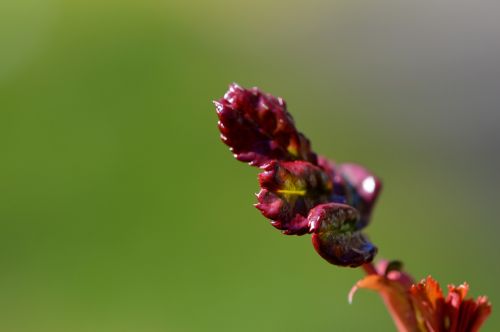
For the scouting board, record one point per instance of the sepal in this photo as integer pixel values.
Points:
(258, 128)
(337, 236)
(289, 191)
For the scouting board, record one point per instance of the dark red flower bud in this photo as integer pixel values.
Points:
(258, 128)
(296, 184)
(289, 191)
(337, 236)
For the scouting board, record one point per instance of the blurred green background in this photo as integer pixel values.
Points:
(121, 210)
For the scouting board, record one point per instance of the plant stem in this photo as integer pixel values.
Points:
(369, 268)
(404, 321)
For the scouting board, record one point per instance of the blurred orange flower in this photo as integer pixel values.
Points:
(422, 307)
